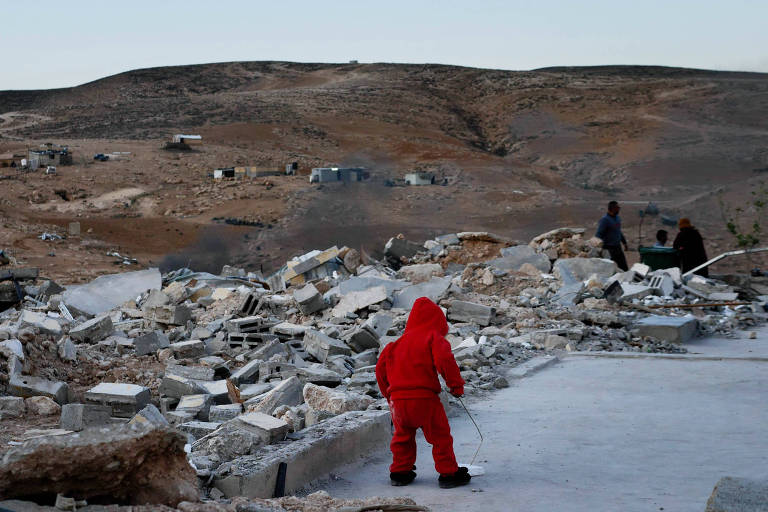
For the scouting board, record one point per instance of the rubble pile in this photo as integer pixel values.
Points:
(246, 366)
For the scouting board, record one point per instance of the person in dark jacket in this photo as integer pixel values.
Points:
(691, 247)
(609, 231)
(407, 374)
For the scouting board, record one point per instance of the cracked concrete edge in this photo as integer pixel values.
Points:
(531, 366)
(651, 355)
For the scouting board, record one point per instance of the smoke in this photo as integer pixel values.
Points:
(209, 253)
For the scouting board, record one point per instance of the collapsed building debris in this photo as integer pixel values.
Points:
(255, 372)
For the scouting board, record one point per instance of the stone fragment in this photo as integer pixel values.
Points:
(77, 417)
(27, 386)
(288, 392)
(169, 315)
(513, 258)
(672, 329)
(40, 321)
(289, 329)
(199, 429)
(322, 398)
(150, 415)
(640, 269)
(738, 495)
(571, 270)
(108, 292)
(309, 299)
(462, 311)
(247, 374)
(313, 417)
(190, 349)
(124, 399)
(357, 300)
(548, 341)
(322, 346)
(66, 349)
(434, 289)
(150, 343)
(94, 330)
(265, 426)
(132, 464)
(421, 272)
(11, 407)
(42, 406)
(320, 375)
(223, 413)
(198, 405)
(398, 249)
(362, 339)
(631, 291)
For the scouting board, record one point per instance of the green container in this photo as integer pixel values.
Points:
(659, 257)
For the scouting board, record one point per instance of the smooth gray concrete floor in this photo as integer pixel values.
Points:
(598, 433)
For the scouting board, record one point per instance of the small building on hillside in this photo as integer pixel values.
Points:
(9, 160)
(330, 174)
(190, 140)
(49, 154)
(420, 178)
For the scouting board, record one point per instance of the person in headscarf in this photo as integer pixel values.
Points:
(691, 247)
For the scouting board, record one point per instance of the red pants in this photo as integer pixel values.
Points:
(428, 414)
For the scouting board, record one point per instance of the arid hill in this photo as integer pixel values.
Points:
(522, 151)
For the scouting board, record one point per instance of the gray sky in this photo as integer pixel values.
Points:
(47, 44)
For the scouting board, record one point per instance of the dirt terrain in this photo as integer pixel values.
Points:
(520, 153)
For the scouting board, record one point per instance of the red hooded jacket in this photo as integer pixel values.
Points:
(408, 367)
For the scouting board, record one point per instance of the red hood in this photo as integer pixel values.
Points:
(426, 316)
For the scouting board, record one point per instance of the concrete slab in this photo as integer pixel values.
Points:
(125, 399)
(674, 329)
(108, 292)
(598, 434)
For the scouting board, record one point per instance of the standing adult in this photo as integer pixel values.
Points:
(609, 231)
(691, 247)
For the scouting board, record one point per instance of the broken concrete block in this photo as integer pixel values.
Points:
(313, 417)
(280, 369)
(362, 339)
(356, 300)
(109, 292)
(673, 329)
(462, 311)
(169, 315)
(632, 291)
(378, 323)
(132, 464)
(421, 272)
(309, 299)
(365, 358)
(320, 375)
(245, 325)
(217, 389)
(321, 449)
(41, 406)
(320, 346)
(738, 495)
(26, 386)
(191, 372)
(397, 249)
(723, 296)
(223, 413)
(253, 390)
(179, 417)
(77, 417)
(269, 350)
(288, 392)
(150, 343)
(155, 299)
(662, 284)
(548, 341)
(512, 258)
(289, 329)
(322, 398)
(640, 269)
(11, 407)
(66, 349)
(199, 429)
(190, 349)
(434, 289)
(39, 321)
(124, 399)
(198, 405)
(12, 347)
(265, 426)
(571, 270)
(94, 330)
(150, 415)
(247, 374)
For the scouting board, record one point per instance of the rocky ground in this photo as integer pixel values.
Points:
(244, 369)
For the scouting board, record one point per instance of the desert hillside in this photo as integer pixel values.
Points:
(521, 153)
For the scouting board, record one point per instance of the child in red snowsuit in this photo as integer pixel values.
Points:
(407, 375)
